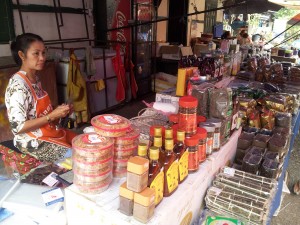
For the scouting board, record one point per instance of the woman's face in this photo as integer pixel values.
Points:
(35, 56)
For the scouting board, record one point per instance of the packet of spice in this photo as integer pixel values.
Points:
(267, 119)
(254, 119)
(219, 103)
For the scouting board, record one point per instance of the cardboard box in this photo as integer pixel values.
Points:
(163, 81)
(175, 52)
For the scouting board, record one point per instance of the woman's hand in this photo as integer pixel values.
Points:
(60, 112)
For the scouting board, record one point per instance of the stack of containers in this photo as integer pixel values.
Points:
(125, 139)
(92, 162)
(125, 147)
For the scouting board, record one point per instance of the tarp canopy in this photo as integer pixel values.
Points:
(251, 6)
(291, 4)
(294, 20)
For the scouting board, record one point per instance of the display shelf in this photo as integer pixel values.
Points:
(277, 199)
(183, 207)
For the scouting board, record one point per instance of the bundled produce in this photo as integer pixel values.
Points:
(241, 195)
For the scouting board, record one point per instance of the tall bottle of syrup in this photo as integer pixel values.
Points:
(182, 155)
(170, 168)
(158, 143)
(156, 175)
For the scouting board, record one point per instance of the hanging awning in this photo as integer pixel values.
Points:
(251, 6)
(291, 4)
(294, 20)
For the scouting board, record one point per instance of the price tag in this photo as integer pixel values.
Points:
(52, 196)
(229, 171)
(216, 190)
(50, 180)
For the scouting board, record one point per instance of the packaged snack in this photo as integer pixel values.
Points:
(131, 137)
(110, 125)
(269, 168)
(261, 140)
(93, 187)
(283, 120)
(251, 163)
(245, 140)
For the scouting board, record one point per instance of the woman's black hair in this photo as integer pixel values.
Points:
(22, 44)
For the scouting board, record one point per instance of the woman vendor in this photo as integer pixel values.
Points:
(30, 113)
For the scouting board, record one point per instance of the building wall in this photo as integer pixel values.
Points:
(162, 26)
(44, 24)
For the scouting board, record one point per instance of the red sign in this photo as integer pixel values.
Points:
(120, 19)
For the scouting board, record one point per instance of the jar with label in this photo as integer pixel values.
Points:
(217, 133)
(170, 169)
(187, 120)
(144, 205)
(142, 150)
(137, 173)
(126, 200)
(182, 156)
(202, 135)
(192, 147)
(156, 175)
(210, 128)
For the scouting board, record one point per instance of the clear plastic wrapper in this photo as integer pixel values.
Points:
(251, 163)
(245, 140)
(261, 140)
(269, 168)
(283, 120)
(131, 137)
(278, 144)
(125, 153)
(92, 177)
(92, 146)
(93, 187)
(254, 150)
(110, 125)
(84, 167)
(219, 103)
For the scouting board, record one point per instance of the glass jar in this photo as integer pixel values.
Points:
(210, 128)
(217, 133)
(187, 120)
(126, 200)
(202, 135)
(137, 173)
(192, 147)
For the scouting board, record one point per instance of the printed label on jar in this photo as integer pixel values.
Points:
(202, 152)
(172, 177)
(216, 142)
(183, 166)
(209, 145)
(112, 119)
(93, 139)
(187, 122)
(158, 186)
(193, 161)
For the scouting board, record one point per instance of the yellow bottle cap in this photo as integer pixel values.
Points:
(157, 131)
(169, 133)
(154, 153)
(157, 141)
(169, 144)
(142, 149)
(180, 135)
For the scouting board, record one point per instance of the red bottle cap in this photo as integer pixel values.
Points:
(192, 141)
(201, 119)
(201, 133)
(173, 118)
(188, 102)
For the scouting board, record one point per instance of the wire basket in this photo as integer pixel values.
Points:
(146, 118)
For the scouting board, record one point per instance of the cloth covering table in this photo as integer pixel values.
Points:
(183, 207)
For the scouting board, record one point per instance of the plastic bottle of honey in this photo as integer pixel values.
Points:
(142, 150)
(182, 156)
(170, 169)
(156, 175)
(158, 143)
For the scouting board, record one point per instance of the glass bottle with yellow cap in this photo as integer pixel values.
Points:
(182, 155)
(170, 169)
(158, 143)
(143, 150)
(156, 175)
(168, 134)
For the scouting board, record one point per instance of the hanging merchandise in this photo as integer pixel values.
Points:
(120, 73)
(76, 90)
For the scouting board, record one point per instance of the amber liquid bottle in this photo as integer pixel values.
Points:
(170, 169)
(142, 150)
(182, 156)
(156, 175)
(158, 143)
